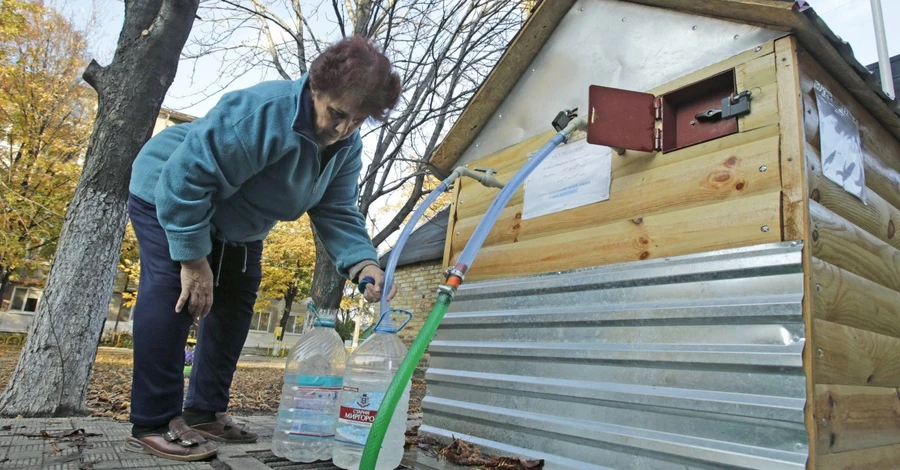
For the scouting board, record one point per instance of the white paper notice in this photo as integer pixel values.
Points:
(573, 175)
(842, 157)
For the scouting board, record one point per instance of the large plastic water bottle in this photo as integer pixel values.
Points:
(370, 370)
(313, 376)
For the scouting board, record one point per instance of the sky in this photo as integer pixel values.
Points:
(849, 19)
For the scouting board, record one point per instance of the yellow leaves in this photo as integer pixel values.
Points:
(46, 116)
(129, 266)
(289, 258)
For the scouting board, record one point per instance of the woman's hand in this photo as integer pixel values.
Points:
(373, 291)
(196, 287)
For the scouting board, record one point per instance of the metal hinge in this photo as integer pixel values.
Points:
(657, 108)
(657, 139)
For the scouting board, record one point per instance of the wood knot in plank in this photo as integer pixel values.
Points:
(644, 255)
(891, 229)
(518, 216)
(739, 186)
(731, 162)
(638, 221)
(870, 379)
(815, 235)
(815, 195)
(721, 177)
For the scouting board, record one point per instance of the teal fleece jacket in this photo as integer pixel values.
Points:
(251, 161)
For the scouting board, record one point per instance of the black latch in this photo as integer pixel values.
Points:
(735, 105)
(563, 118)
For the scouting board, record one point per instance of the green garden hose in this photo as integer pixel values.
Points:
(398, 384)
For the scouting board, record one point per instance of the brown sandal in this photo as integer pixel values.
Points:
(180, 442)
(224, 429)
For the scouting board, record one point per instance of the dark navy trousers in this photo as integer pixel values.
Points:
(160, 334)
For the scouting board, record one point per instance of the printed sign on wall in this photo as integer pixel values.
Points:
(573, 175)
(842, 159)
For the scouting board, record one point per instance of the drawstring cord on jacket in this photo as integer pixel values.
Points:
(219, 268)
(222, 258)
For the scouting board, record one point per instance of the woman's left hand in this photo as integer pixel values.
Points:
(373, 291)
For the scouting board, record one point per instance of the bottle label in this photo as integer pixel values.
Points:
(310, 411)
(358, 410)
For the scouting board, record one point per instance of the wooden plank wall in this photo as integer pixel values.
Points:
(795, 204)
(720, 194)
(855, 271)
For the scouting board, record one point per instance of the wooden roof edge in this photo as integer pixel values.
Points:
(795, 16)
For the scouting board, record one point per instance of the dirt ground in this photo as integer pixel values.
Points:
(256, 388)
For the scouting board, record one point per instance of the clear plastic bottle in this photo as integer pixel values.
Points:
(313, 376)
(370, 370)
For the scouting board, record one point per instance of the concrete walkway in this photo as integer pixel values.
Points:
(95, 443)
(98, 443)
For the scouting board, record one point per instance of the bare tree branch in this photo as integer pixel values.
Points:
(340, 17)
(442, 50)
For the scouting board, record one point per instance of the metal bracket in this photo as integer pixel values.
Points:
(563, 117)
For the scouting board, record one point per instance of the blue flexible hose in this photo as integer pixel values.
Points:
(398, 384)
(493, 212)
(401, 242)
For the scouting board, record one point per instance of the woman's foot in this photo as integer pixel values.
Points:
(179, 442)
(224, 429)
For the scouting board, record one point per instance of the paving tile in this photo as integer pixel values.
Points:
(145, 461)
(22, 448)
(21, 463)
(107, 464)
(190, 466)
(62, 466)
(103, 444)
(14, 440)
(102, 454)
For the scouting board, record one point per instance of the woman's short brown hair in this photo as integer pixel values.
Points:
(356, 66)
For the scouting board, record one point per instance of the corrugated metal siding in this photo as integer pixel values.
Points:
(688, 362)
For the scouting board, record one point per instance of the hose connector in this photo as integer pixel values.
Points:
(484, 176)
(447, 289)
(576, 124)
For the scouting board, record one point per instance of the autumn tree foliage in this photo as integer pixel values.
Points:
(289, 257)
(51, 376)
(46, 114)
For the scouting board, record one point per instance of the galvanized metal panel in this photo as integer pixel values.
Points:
(610, 43)
(687, 362)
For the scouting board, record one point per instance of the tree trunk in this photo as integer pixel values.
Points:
(4, 281)
(121, 304)
(51, 377)
(327, 284)
(286, 313)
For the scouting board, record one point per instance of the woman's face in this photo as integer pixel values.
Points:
(335, 118)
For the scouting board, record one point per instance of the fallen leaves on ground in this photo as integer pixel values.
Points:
(44, 434)
(256, 387)
(9, 355)
(462, 453)
(109, 392)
